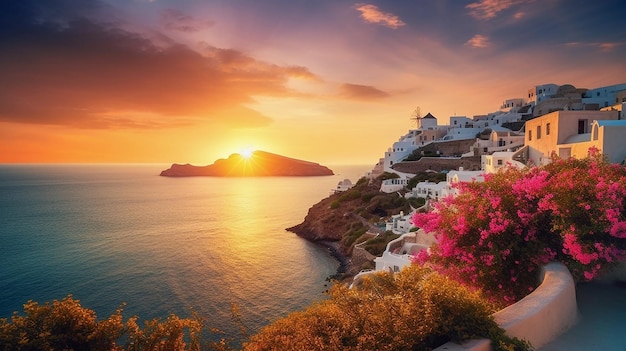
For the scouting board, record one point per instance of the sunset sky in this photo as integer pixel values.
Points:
(328, 81)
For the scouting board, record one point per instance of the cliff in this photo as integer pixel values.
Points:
(259, 164)
(342, 220)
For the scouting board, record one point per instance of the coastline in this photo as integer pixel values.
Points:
(345, 263)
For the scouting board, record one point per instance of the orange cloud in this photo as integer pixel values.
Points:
(91, 76)
(478, 41)
(371, 14)
(361, 92)
(488, 9)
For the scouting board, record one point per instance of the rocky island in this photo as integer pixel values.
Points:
(258, 164)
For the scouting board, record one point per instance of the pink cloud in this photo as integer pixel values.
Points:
(604, 46)
(371, 14)
(519, 15)
(479, 41)
(488, 9)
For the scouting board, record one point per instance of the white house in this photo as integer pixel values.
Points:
(604, 96)
(494, 162)
(509, 104)
(500, 139)
(400, 223)
(396, 184)
(343, 185)
(428, 190)
(606, 135)
(542, 92)
(562, 132)
(399, 252)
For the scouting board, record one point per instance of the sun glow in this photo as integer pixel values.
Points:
(247, 152)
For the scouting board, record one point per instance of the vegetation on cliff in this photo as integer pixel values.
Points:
(346, 216)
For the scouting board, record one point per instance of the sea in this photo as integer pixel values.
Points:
(122, 236)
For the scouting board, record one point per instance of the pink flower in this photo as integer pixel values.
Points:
(618, 230)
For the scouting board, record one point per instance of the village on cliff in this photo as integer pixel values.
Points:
(553, 119)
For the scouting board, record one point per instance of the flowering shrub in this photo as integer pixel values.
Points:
(495, 235)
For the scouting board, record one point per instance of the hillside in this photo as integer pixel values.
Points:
(341, 220)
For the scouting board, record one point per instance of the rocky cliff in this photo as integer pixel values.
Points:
(344, 217)
(258, 164)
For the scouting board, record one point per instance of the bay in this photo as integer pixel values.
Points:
(114, 234)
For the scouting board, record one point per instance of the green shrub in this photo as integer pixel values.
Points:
(376, 246)
(349, 195)
(356, 230)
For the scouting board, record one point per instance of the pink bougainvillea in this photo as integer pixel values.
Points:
(496, 234)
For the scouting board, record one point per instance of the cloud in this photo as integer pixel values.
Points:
(488, 9)
(604, 46)
(371, 14)
(478, 41)
(361, 92)
(177, 21)
(82, 72)
(519, 15)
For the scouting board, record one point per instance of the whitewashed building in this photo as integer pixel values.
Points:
(396, 184)
(400, 223)
(343, 185)
(428, 190)
(604, 96)
(400, 252)
(566, 132)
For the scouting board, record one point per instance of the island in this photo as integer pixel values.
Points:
(257, 164)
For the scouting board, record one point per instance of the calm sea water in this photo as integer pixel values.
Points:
(113, 234)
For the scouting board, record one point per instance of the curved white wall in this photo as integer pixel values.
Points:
(539, 317)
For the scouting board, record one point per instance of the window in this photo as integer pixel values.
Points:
(547, 128)
(530, 135)
(538, 132)
(582, 126)
(499, 162)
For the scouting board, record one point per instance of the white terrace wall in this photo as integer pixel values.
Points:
(539, 317)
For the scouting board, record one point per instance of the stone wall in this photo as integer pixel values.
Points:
(438, 164)
(448, 148)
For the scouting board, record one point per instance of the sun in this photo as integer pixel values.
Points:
(247, 152)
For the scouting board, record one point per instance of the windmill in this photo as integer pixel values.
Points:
(417, 116)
